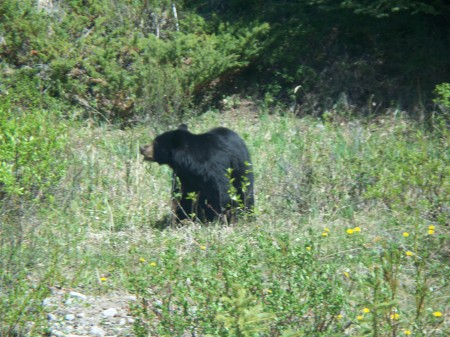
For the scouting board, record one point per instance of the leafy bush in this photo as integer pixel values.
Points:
(114, 64)
(442, 92)
(21, 311)
(265, 287)
(31, 150)
(32, 145)
(411, 174)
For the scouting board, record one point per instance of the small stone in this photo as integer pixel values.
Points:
(47, 301)
(51, 317)
(111, 312)
(97, 332)
(69, 317)
(68, 329)
(78, 295)
(57, 333)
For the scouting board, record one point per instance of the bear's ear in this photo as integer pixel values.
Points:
(183, 127)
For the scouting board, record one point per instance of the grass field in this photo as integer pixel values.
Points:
(350, 236)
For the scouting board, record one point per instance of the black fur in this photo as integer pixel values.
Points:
(200, 162)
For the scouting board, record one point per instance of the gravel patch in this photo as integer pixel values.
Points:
(74, 314)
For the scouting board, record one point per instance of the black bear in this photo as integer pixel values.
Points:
(214, 171)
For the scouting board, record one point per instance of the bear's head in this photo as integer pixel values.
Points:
(163, 147)
(147, 152)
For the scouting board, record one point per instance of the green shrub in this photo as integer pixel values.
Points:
(443, 94)
(409, 172)
(261, 284)
(113, 63)
(170, 73)
(21, 310)
(33, 161)
(31, 150)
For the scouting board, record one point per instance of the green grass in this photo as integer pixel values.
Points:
(325, 255)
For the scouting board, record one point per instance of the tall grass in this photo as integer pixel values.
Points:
(350, 236)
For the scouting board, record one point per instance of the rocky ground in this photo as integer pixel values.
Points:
(73, 314)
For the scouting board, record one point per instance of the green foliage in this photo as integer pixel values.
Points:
(442, 92)
(238, 202)
(21, 32)
(32, 145)
(360, 50)
(131, 61)
(173, 71)
(263, 287)
(30, 262)
(20, 304)
(349, 235)
(402, 170)
(313, 280)
(32, 163)
(241, 317)
(114, 64)
(415, 176)
(342, 242)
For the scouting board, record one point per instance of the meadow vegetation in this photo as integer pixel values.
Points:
(350, 236)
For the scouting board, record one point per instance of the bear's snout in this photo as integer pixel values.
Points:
(147, 152)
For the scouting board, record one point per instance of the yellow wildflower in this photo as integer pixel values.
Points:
(357, 229)
(366, 310)
(409, 253)
(141, 259)
(324, 234)
(350, 231)
(407, 332)
(152, 264)
(103, 279)
(202, 247)
(359, 317)
(308, 248)
(437, 314)
(432, 227)
(395, 316)
(431, 231)
(405, 234)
